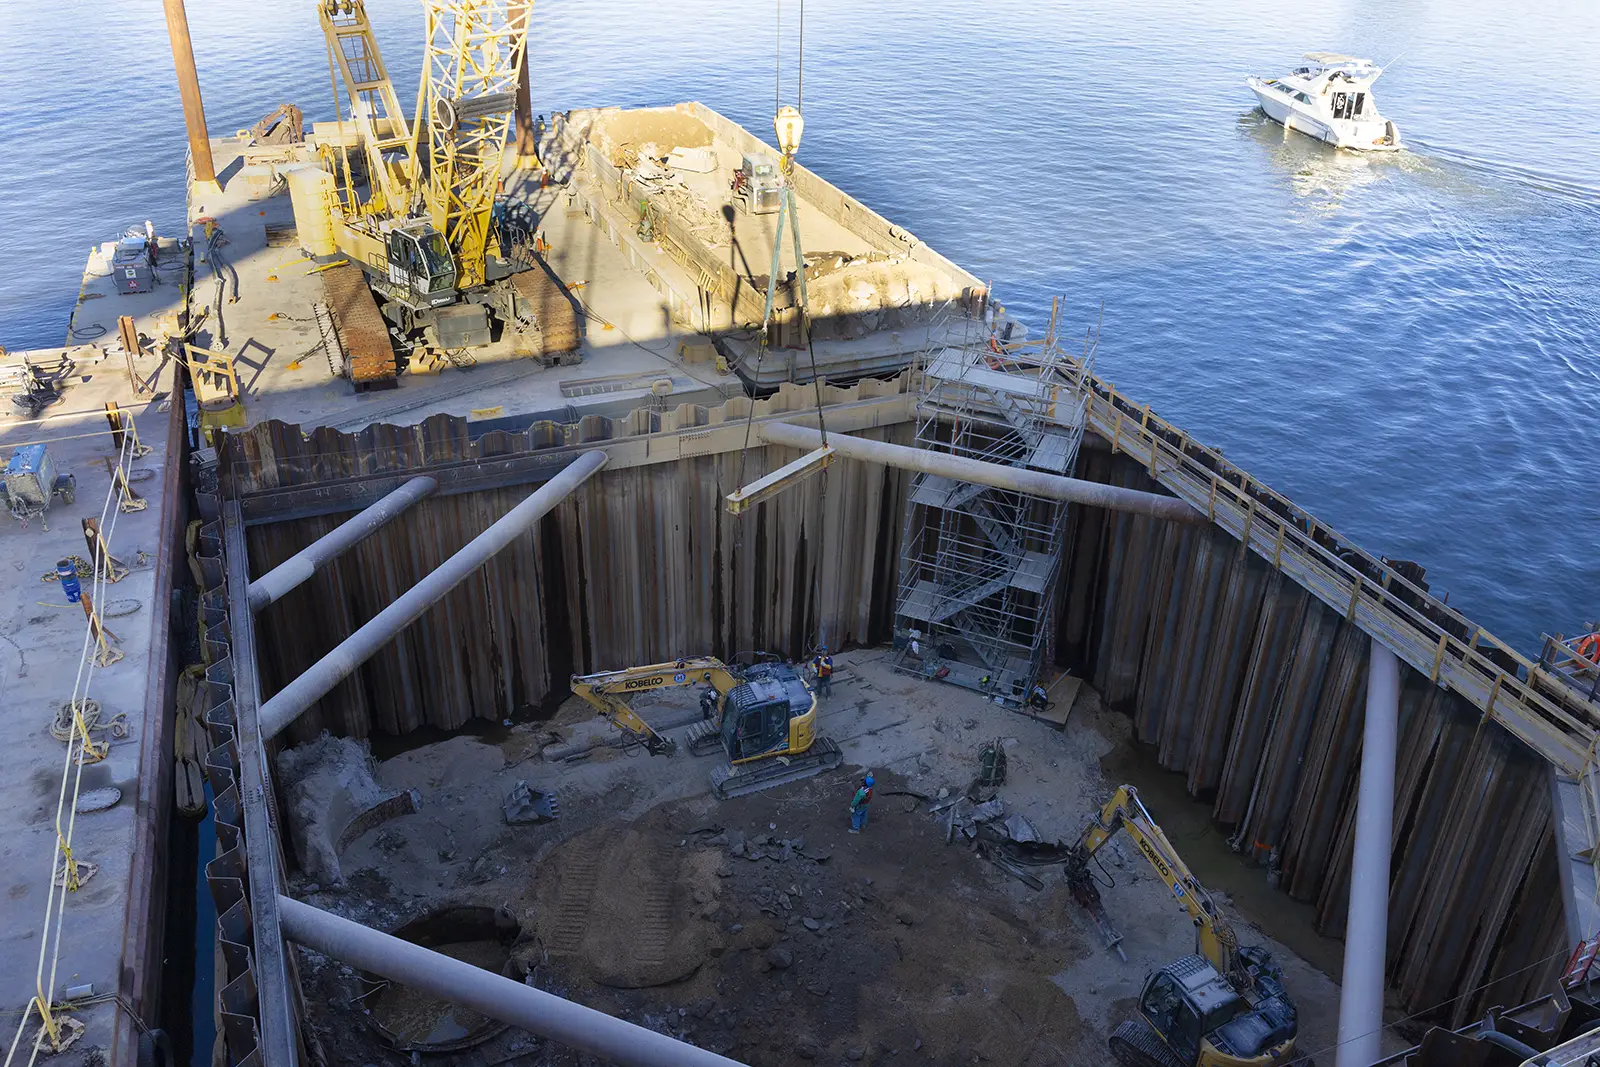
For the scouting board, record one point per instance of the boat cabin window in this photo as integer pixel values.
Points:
(1348, 105)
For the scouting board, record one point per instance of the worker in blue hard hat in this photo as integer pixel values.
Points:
(822, 666)
(858, 805)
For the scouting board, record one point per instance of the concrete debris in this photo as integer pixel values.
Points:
(1020, 830)
(524, 804)
(333, 798)
(992, 809)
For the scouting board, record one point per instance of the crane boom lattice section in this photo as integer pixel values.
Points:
(386, 137)
(475, 50)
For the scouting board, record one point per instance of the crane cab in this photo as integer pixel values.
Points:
(1202, 1021)
(770, 713)
(419, 263)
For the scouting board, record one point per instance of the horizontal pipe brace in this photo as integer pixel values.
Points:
(290, 702)
(277, 582)
(574, 1025)
(997, 475)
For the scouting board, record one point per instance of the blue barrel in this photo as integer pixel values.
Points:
(68, 573)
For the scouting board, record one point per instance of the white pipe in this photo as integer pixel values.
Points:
(1367, 929)
(998, 475)
(290, 702)
(585, 1029)
(318, 554)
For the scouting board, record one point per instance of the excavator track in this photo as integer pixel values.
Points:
(363, 333)
(560, 330)
(1136, 1045)
(704, 738)
(728, 782)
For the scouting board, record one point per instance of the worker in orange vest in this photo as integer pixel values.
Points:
(822, 664)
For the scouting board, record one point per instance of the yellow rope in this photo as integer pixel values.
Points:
(56, 1031)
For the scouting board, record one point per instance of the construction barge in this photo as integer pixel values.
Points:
(992, 515)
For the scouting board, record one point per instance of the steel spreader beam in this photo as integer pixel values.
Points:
(610, 1039)
(290, 702)
(998, 475)
(277, 582)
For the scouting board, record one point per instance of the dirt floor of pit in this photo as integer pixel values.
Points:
(888, 947)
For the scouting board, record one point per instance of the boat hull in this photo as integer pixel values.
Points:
(1281, 109)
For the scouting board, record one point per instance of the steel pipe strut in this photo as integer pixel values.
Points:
(1367, 929)
(290, 702)
(324, 550)
(585, 1029)
(998, 475)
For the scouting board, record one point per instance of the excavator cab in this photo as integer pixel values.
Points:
(419, 260)
(771, 712)
(1194, 1018)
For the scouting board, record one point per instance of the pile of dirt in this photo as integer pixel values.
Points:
(791, 941)
(624, 908)
(619, 135)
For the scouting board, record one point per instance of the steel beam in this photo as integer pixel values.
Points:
(324, 550)
(585, 1029)
(1366, 930)
(194, 110)
(289, 703)
(998, 475)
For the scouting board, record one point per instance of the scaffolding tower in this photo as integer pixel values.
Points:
(979, 565)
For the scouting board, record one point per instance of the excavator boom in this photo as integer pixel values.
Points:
(1125, 811)
(607, 692)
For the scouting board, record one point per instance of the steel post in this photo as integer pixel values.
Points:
(194, 111)
(998, 475)
(1367, 929)
(290, 702)
(585, 1029)
(324, 550)
(527, 153)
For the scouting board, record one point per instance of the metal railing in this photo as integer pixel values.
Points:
(1506, 686)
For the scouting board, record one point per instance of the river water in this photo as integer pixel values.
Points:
(1409, 346)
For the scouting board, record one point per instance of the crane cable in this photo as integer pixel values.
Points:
(788, 205)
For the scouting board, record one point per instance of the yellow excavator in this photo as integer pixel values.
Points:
(1224, 1006)
(762, 718)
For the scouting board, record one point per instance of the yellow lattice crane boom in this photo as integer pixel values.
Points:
(386, 138)
(417, 215)
(475, 52)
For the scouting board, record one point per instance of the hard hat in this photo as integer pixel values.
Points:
(868, 780)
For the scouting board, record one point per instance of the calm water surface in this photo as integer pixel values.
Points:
(1406, 345)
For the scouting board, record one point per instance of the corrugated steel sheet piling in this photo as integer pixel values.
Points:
(194, 111)
(498, 997)
(1366, 933)
(324, 550)
(293, 699)
(962, 469)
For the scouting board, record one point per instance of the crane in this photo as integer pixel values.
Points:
(1225, 1005)
(417, 214)
(763, 719)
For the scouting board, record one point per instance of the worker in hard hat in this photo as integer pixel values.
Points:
(858, 805)
(822, 666)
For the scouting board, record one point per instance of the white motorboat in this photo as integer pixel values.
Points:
(1330, 98)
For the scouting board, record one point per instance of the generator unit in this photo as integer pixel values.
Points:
(133, 262)
(31, 481)
(758, 185)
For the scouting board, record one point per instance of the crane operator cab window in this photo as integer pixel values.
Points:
(1186, 1001)
(756, 721)
(420, 260)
